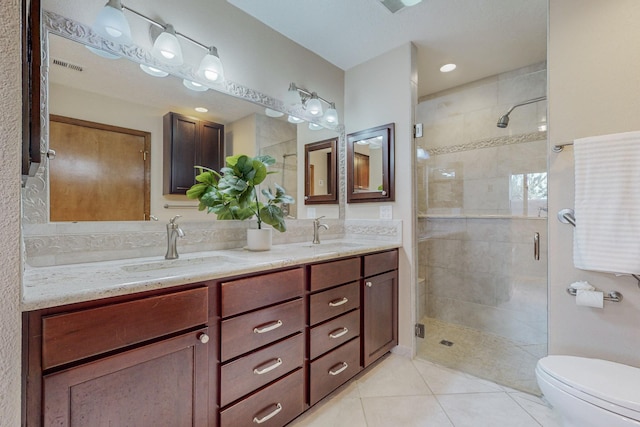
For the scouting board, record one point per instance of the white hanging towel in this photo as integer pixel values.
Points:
(607, 203)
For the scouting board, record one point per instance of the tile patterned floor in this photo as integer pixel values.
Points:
(481, 354)
(400, 392)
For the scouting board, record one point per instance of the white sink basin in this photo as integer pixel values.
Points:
(180, 262)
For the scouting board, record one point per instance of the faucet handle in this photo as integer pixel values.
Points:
(173, 220)
(319, 218)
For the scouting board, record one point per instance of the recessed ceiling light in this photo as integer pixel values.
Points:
(201, 109)
(448, 67)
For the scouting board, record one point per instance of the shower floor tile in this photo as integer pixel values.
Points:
(481, 354)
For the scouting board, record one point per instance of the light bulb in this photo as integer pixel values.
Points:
(166, 48)
(314, 107)
(111, 23)
(210, 67)
(153, 71)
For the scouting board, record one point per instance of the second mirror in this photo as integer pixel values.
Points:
(320, 172)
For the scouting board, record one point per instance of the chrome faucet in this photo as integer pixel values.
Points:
(173, 232)
(316, 229)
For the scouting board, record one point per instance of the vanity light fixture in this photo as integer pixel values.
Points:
(112, 25)
(310, 102)
(294, 119)
(446, 68)
(153, 71)
(194, 86)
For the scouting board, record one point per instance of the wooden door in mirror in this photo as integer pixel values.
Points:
(321, 172)
(370, 165)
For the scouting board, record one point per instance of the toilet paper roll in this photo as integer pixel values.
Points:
(590, 298)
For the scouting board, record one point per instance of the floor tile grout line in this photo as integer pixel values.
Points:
(524, 409)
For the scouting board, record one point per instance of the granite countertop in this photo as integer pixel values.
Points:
(45, 287)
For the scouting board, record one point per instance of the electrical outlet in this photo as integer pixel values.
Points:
(418, 133)
(386, 212)
(311, 212)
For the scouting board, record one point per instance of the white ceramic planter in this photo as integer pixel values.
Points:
(259, 239)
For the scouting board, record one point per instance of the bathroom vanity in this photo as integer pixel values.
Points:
(251, 344)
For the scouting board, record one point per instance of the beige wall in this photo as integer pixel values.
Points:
(380, 91)
(594, 89)
(10, 131)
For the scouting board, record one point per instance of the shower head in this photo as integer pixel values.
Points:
(503, 121)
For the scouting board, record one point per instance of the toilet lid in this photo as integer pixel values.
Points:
(608, 381)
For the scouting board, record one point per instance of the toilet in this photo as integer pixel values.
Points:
(591, 392)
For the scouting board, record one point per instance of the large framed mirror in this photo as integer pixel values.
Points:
(321, 173)
(72, 89)
(370, 165)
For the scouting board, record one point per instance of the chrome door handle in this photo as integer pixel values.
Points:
(536, 246)
(338, 333)
(337, 302)
(269, 415)
(343, 366)
(260, 370)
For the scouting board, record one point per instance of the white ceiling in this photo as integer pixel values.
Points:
(483, 37)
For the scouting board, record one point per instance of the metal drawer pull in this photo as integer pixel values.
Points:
(269, 416)
(336, 334)
(270, 327)
(369, 284)
(260, 371)
(337, 302)
(339, 370)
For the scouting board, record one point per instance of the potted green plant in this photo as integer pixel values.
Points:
(232, 194)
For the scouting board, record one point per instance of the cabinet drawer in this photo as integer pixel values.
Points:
(335, 332)
(334, 369)
(239, 296)
(274, 406)
(334, 273)
(251, 372)
(252, 330)
(331, 303)
(73, 336)
(379, 263)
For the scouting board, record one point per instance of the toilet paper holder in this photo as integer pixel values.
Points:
(613, 296)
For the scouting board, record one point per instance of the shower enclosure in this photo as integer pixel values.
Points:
(481, 215)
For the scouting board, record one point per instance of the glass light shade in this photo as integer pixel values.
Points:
(166, 48)
(292, 97)
(314, 107)
(211, 67)
(111, 23)
(294, 119)
(194, 86)
(152, 71)
(273, 113)
(331, 116)
(102, 53)
(314, 126)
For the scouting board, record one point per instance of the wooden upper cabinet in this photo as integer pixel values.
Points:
(189, 142)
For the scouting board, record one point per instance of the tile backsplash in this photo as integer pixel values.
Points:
(71, 243)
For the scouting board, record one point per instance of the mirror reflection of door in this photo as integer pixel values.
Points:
(367, 165)
(320, 173)
(100, 172)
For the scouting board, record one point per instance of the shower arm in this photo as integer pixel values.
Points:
(530, 101)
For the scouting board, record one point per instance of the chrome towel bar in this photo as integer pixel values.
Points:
(613, 296)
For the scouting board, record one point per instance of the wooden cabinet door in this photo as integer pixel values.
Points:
(160, 384)
(380, 307)
(189, 142)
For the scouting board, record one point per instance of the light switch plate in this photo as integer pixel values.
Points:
(386, 212)
(418, 130)
(311, 212)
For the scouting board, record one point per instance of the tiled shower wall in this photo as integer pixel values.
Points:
(476, 225)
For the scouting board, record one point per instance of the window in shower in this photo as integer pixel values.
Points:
(528, 194)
